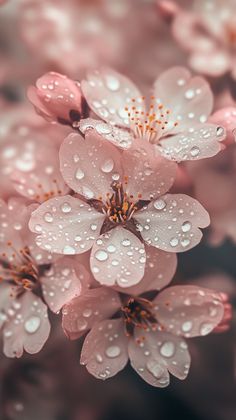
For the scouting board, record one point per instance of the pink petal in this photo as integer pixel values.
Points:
(92, 306)
(108, 93)
(159, 271)
(118, 136)
(66, 225)
(55, 96)
(171, 222)
(226, 117)
(88, 166)
(27, 328)
(149, 174)
(212, 63)
(60, 283)
(153, 354)
(188, 310)
(188, 98)
(105, 349)
(201, 142)
(118, 258)
(6, 300)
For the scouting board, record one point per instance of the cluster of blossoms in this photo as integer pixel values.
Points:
(92, 220)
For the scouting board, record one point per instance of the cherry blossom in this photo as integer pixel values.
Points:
(29, 278)
(174, 119)
(207, 33)
(119, 207)
(147, 332)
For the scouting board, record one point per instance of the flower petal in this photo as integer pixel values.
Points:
(171, 222)
(159, 270)
(118, 257)
(105, 349)
(88, 166)
(29, 327)
(60, 284)
(108, 93)
(149, 173)
(188, 310)
(211, 63)
(153, 354)
(92, 306)
(202, 142)
(66, 225)
(189, 99)
(118, 136)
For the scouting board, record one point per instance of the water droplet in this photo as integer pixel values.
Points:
(107, 166)
(79, 174)
(87, 193)
(82, 324)
(38, 228)
(68, 250)
(93, 227)
(155, 368)
(115, 263)
(113, 351)
(101, 255)
(187, 326)
(87, 312)
(111, 248)
(185, 242)
(186, 226)
(32, 324)
(174, 242)
(189, 94)
(159, 204)
(167, 349)
(66, 207)
(112, 82)
(99, 358)
(220, 131)
(125, 242)
(194, 151)
(116, 177)
(48, 217)
(206, 328)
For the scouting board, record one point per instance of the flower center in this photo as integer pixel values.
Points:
(138, 313)
(149, 125)
(20, 268)
(119, 207)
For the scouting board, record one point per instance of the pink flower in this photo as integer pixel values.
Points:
(30, 276)
(220, 171)
(122, 205)
(208, 33)
(58, 98)
(174, 121)
(149, 333)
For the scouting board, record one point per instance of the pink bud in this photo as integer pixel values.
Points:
(167, 9)
(58, 98)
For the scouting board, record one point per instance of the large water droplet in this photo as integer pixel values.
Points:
(113, 351)
(79, 174)
(186, 226)
(107, 166)
(101, 255)
(187, 326)
(174, 242)
(167, 349)
(159, 204)
(32, 324)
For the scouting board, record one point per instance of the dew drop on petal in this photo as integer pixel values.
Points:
(32, 324)
(111, 248)
(113, 351)
(167, 349)
(79, 174)
(194, 151)
(185, 242)
(87, 193)
(48, 217)
(174, 242)
(187, 326)
(87, 313)
(125, 242)
(112, 83)
(186, 226)
(68, 250)
(101, 255)
(205, 328)
(107, 166)
(155, 368)
(66, 208)
(159, 204)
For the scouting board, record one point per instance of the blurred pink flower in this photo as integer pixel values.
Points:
(175, 121)
(58, 98)
(121, 205)
(219, 171)
(149, 333)
(26, 273)
(208, 33)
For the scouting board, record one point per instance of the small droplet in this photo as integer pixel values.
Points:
(111, 248)
(174, 242)
(189, 94)
(38, 228)
(79, 174)
(93, 227)
(101, 255)
(112, 82)
(87, 313)
(186, 226)
(159, 204)
(66, 207)
(167, 349)
(187, 326)
(87, 193)
(206, 328)
(125, 242)
(48, 217)
(113, 351)
(68, 250)
(32, 324)
(185, 242)
(194, 151)
(107, 166)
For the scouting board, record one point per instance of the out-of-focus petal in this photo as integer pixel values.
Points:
(89, 165)
(172, 222)
(105, 349)
(118, 258)
(188, 310)
(66, 225)
(212, 63)
(92, 306)
(108, 93)
(28, 327)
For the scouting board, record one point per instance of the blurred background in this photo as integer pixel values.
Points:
(135, 37)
